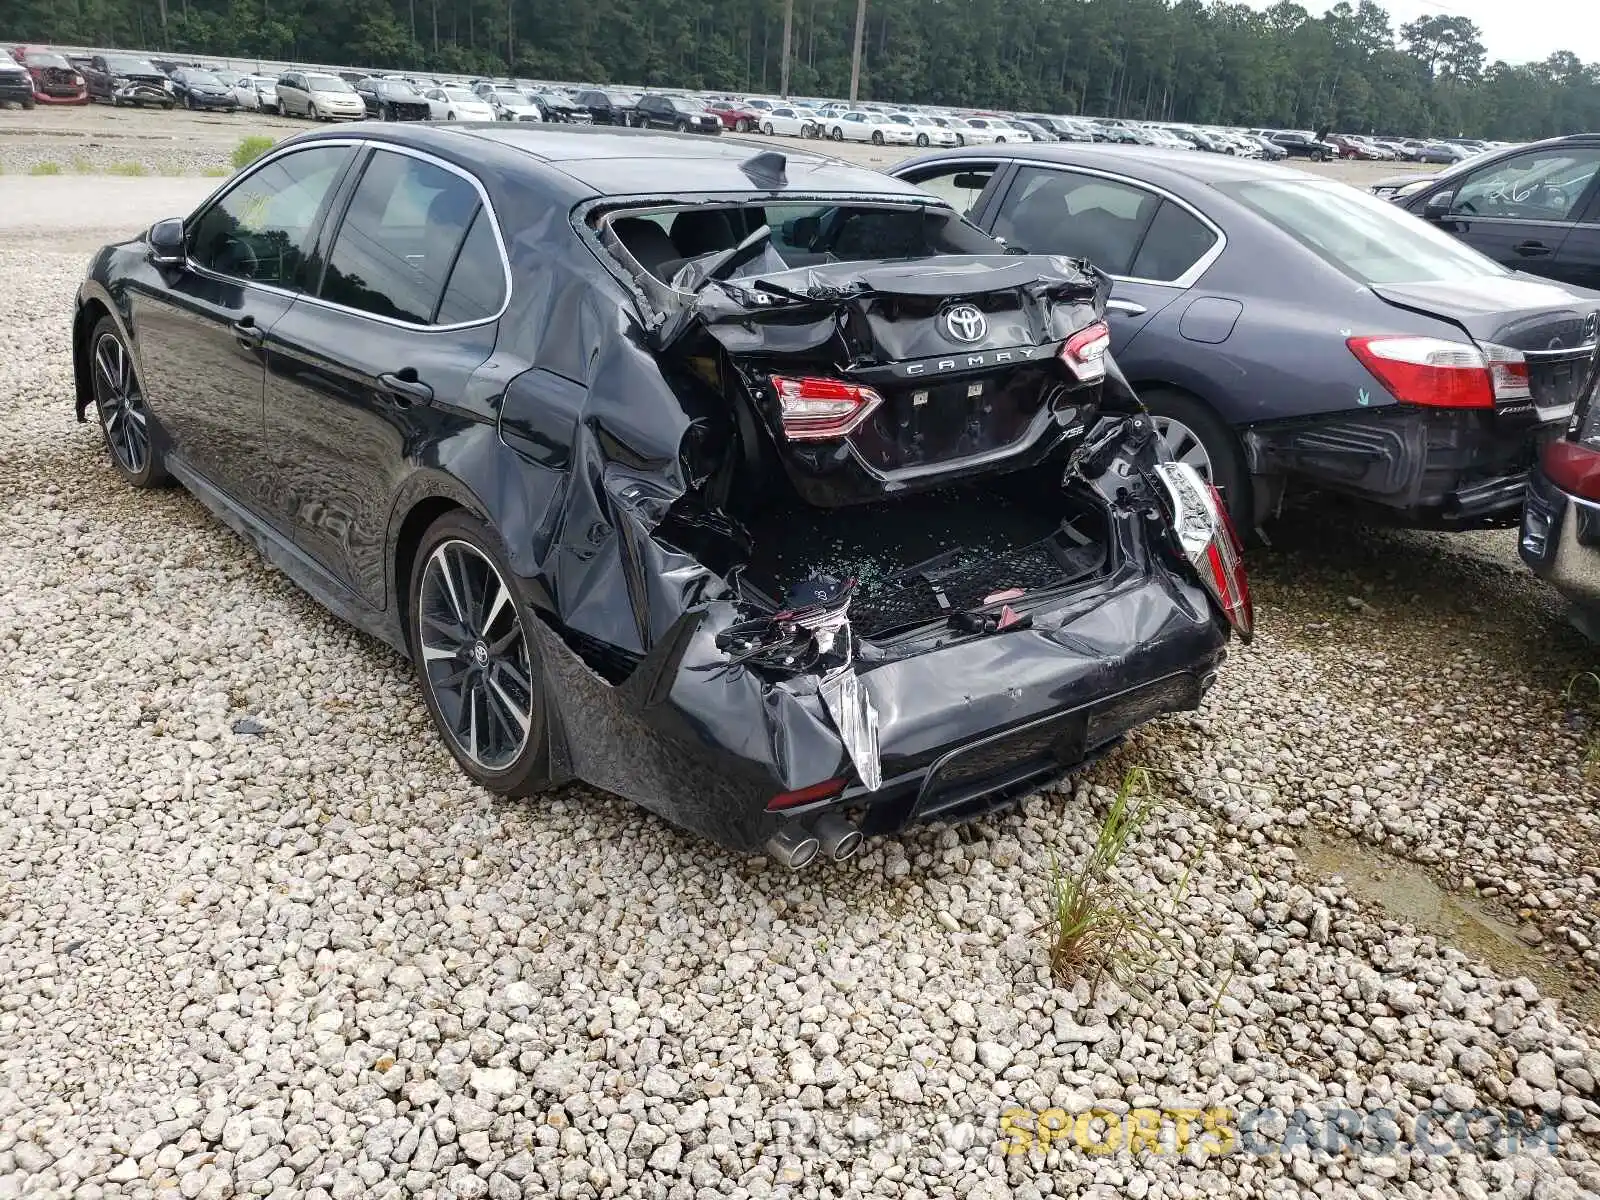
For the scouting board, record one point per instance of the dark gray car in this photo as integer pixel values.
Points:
(1280, 325)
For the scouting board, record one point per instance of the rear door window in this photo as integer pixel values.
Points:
(1176, 240)
(407, 221)
(1083, 216)
(477, 285)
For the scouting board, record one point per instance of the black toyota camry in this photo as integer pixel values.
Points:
(764, 491)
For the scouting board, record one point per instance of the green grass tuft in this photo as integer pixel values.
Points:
(45, 168)
(132, 169)
(1098, 926)
(251, 148)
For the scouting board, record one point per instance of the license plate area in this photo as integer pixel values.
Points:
(1555, 384)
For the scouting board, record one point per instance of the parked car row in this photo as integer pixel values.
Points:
(133, 79)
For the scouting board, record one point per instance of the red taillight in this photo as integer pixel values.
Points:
(1572, 467)
(1508, 373)
(825, 790)
(1085, 352)
(1206, 538)
(817, 409)
(1429, 370)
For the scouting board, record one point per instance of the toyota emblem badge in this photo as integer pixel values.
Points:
(965, 324)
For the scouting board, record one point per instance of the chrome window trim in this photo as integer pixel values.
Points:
(1183, 282)
(360, 142)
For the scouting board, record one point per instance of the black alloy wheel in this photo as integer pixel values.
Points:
(475, 656)
(119, 401)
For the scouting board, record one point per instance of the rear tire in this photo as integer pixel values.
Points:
(1192, 432)
(476, 659)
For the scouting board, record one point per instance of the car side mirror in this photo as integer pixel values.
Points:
(166, 241)
(1437, 207)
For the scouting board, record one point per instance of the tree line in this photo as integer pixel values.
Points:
(1349, 69)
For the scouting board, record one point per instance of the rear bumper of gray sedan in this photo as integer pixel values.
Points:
(1439, 468)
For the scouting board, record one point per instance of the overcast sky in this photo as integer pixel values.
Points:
(1515, 30)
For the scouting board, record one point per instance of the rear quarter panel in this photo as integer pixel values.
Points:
(1285, 357)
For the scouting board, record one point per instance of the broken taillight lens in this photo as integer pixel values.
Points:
(815, 409)
(1085, 352)
(1206, 538)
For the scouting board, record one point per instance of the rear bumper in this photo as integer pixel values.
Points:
(1439, 468)
(1560, 542)
(962, 729)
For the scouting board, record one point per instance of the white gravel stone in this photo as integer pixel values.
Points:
(495, 1081)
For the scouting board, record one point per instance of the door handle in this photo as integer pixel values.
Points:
(1531, 249)
(405, 389)
(250, 334)
(1126, 306)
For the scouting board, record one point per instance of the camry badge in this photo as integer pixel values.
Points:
(964, 323)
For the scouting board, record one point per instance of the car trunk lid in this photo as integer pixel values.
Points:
(1554, 329)
(955, 364)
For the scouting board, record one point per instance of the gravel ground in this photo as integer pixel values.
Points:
(314, 961)
(98, 139)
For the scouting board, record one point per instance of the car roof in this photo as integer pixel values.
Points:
(624, 162)
(627, 161)
(1168, 168)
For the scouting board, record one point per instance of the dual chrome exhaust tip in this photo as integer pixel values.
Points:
(830, 836)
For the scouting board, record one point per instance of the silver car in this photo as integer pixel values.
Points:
(319, 96)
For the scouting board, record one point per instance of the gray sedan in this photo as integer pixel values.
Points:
(1282, 326)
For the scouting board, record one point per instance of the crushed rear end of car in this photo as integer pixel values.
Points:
(856, 543)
